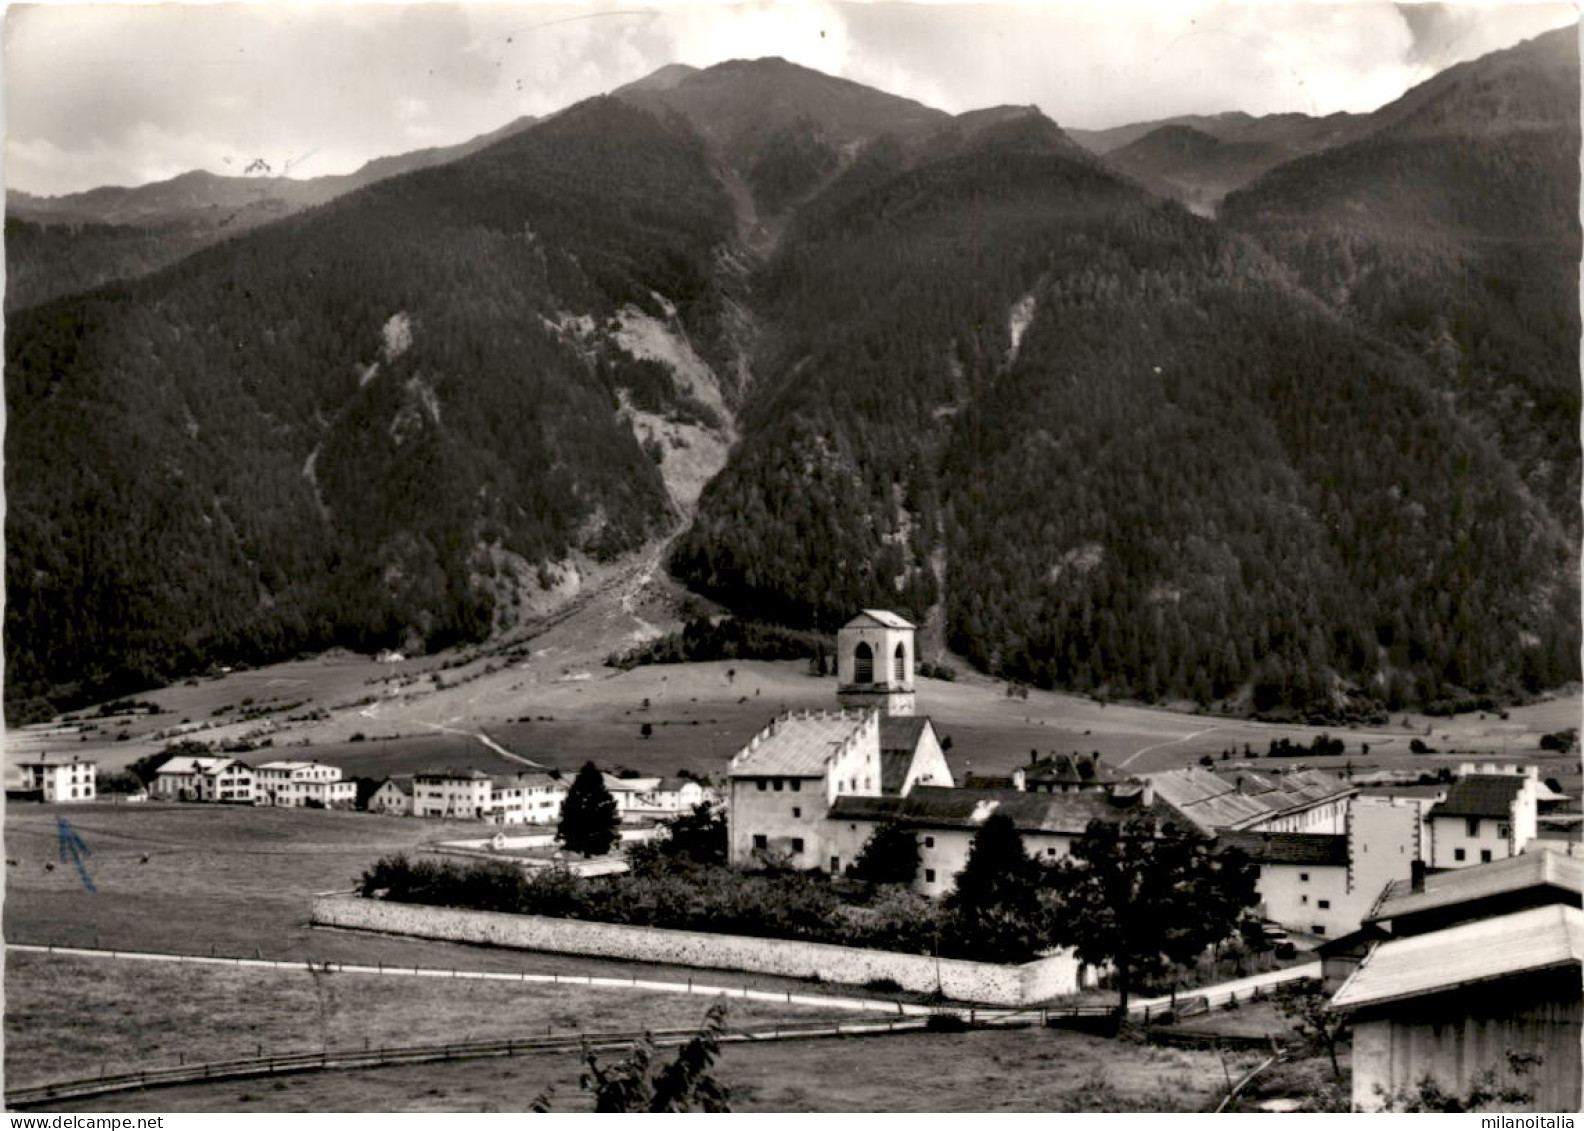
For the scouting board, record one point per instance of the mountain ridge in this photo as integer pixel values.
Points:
(970, 371)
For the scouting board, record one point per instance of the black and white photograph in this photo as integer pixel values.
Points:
(793, 556)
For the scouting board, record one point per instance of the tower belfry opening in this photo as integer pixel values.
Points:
(874, 662)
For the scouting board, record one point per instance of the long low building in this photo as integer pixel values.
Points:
(945, 820)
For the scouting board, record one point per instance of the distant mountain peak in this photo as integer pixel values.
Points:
(665, 78)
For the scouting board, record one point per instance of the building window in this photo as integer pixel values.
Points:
(835, 864)
(1303, 877)
(929, 842)
(929, 875)
(1458, 854)
(1303, 899)
(763, 785)
(863, 664)
(1504, 831)
(796, 813)
(1317, 929)
(1325, 905)
(899, 664)
(797, 844)
(1473, 826)
(778, 784)
(1485, 856)
(761, 841)
(797, 786)
(1050, 852)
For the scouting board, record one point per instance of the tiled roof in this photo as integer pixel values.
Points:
(1067, 770)
(1485, 950)
(403, 784)
(54, 758)
(630, 785)
(1488, 795)
(1234, 801)
(797, 745)
(193, 764)
(894, 766)
(902, 732)
(1288, 848)
(523, 781)
(453, 775)
(883, 617)
(1465, 885)
(939, 807)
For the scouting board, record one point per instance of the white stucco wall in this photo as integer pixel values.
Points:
(961, 981)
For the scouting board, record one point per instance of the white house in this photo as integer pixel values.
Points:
(464, 794)
(303, 784)
(1327, 884)
(394, 797)
(54, 777)
(526, 799)
(630, 792)
(673, 796)
(1483, 818)
(188, 777)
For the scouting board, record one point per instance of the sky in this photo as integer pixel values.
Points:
(99, 94)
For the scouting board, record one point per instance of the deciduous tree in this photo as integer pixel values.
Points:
(1142, 897)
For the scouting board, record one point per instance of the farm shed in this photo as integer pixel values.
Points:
(1454, 1004)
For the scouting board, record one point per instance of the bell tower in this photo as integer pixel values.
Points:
(874, 662)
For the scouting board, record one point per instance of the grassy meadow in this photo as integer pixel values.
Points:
(1031, 1070)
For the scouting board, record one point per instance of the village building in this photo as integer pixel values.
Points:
(1483, 818)
(461, 794)
(1456, 1003)
(1295, 801)
(303, 785)
(53, 778)
(1432, 901)
(630, 792)
(944, 821)
(784, 783)
(875, 655)
(672, 797)
(394, 797)
(526, 799)
(1339, 957)
(188, 777)
(1059, 773)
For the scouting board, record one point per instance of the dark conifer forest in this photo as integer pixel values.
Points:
(1318, 454)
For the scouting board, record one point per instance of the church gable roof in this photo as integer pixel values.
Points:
(797, 745)
(878, 618)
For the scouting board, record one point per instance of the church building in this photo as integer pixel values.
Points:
(785, 782)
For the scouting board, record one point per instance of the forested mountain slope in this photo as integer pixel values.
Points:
(64, 244)
(1454, 232)
(1145, 460)
(1320, 455)
(374, 422)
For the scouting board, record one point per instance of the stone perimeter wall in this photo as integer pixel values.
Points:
(981, 982)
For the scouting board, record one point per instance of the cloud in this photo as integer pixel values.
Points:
(100, 93)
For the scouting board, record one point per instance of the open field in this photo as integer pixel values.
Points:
(447, 709)
(1033, 1070)
(70, 1017)
(238, 882)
